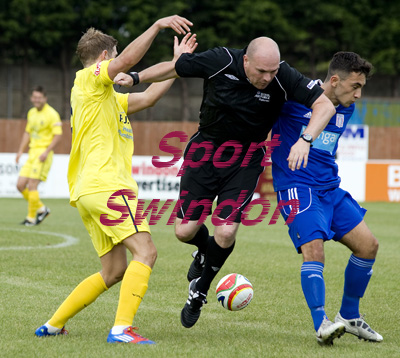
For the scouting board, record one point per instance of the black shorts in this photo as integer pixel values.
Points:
(214, 178)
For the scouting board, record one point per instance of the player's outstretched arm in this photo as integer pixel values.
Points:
(166, 70)
(134, 52)
(148, 98)
(163, 70)
(142, 100)
(323, 111)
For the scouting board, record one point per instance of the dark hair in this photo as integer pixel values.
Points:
(344, 63)
(92, 43)
(39, 89)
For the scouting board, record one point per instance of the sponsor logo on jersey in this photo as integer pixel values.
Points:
(325, 141)
(232, 77)
(307, 115)
(97, 71)
(339, 120)
(263, 97)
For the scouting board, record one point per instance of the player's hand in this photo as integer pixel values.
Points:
(177, 23)
(123, 79)
(18, 157)
(298, 154)
(43, 156)
(187, 45)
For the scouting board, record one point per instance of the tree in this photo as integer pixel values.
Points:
(323, 29)
(33, 31)
(384, 42)
(308, 32)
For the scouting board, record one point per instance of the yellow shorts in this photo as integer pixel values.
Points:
(110, 217)
(34, 168)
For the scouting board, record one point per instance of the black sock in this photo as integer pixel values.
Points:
(200, 239)
(215, 258)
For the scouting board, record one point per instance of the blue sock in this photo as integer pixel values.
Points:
(356, 278)
(313, 285)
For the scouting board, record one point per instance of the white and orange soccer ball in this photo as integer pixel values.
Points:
(234, 291)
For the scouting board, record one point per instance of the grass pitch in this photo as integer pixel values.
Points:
(39, 266)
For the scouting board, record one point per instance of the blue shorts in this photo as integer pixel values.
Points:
(323, 214)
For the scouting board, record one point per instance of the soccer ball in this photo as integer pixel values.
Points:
(234, 291)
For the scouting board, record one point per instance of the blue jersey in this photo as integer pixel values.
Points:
(321, 171)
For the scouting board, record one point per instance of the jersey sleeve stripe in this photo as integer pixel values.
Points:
(281, 87)
(216, 73)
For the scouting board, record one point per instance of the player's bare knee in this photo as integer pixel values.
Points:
(225, 236)
(118, 276)
(313, 251)
(147, 254)
(151, 255)
(376, 245)
(22, 184)
(364, 245)
(370, 250)
(184, 233)
(181, 235)
(114, 276)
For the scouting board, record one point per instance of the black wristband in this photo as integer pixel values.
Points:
(135, 77)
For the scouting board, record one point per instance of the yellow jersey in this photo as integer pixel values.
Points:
(42, 126)
(102, 138)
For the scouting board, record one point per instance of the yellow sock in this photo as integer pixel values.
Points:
(40, 204)
(134, 286)
(25, 194)
(33, 203)
(82, 296)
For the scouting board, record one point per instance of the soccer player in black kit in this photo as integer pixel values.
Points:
(243, 93)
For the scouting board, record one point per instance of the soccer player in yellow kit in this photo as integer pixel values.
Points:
(42, 133)
(99, 174)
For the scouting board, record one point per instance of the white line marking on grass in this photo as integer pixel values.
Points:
(68, 240)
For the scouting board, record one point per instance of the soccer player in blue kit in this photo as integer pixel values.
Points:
(326, 211)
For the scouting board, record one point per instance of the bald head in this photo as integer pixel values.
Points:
(263, 47)
(261, 61)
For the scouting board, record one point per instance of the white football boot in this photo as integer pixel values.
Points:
(359, 328)
(328, 331)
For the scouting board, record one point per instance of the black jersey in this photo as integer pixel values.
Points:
(232, 108)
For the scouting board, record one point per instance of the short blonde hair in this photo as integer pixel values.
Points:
(92, 43)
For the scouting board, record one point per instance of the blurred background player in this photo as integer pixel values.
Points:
(326, 211)
(243, 93)
(42, 133)
(100, 164)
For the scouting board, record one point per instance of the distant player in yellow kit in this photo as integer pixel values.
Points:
(42, 133)
(99, 174)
